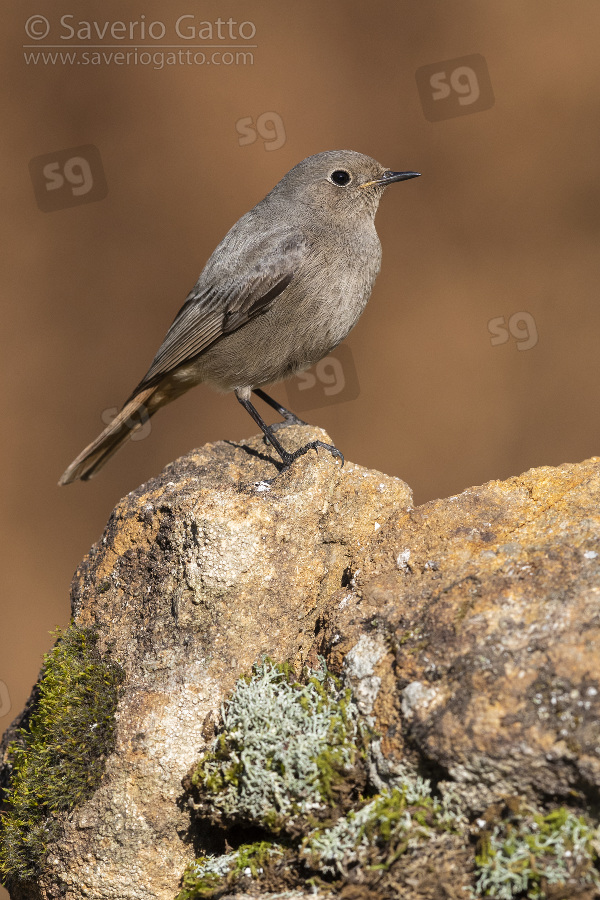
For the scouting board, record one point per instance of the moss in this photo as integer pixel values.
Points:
(253, 857)
(205, 876)
(58, 758)
(286, 751)
(377, 834)
(528, 851)
(288, 760)
(371, 838)
(210, 876)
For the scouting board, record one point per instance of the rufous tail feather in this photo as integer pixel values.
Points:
(132, 417)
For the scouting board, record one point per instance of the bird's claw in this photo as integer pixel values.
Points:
(290, 458)
(313, 445)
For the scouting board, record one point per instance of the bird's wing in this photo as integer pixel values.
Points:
(218, 308)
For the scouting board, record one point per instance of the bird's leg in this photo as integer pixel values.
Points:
(286, 458)
(288, 416)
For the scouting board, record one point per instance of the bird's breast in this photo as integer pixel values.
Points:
(304, 323)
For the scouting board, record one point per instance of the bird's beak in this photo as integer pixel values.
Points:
(389, 178)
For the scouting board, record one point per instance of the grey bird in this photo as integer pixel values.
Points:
(283, 288)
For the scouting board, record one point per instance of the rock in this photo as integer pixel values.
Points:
(492, 619)
(467, 628)
(200, 572)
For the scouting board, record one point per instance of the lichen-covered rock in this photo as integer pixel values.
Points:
(289, 759)
(287, 752)
(199, 573)
(532, 854)
(467, 630)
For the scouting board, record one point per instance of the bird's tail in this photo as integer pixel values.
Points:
(132, 417)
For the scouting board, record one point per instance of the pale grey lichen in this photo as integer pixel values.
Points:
(299, 760)
(212, 865)
(530, 849)
(282, 748)
(209, 874)
(359, 668)
(397, 820)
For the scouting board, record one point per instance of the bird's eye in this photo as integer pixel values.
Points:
(340, 176)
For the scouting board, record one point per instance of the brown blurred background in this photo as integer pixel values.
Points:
(504, 221)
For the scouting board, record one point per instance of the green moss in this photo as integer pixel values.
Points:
(58, 759)
(253, 857)
(377, 834)
(288, 760)
(205, 876)
(523, 854)
(210, 876)
(285, 750)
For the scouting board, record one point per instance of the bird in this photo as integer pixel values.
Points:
(283, 288)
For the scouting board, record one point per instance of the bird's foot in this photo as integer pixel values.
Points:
(287, 459)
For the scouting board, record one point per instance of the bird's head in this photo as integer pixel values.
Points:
(338, 182)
